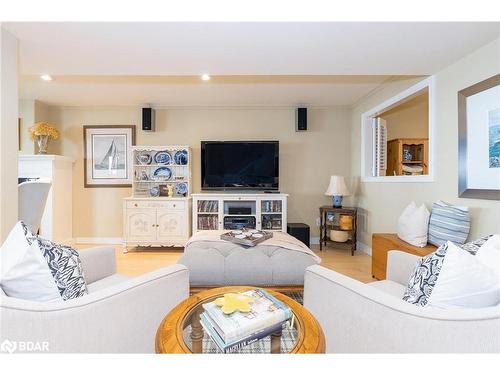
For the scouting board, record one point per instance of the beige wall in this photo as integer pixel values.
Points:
(8, 132)
(30, 111)
(408, 120)
(307, 159)
(27, 116)
(383, 202)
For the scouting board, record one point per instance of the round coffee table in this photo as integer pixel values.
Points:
(181, 331)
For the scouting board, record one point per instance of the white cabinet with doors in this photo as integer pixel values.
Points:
(156, 222)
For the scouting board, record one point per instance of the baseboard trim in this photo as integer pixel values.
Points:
(359, 245)
(364, 248)
(99, 240)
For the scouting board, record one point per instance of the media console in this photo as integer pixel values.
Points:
(219, 211)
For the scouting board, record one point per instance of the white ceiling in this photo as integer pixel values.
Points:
(263, 49)
(89, 91)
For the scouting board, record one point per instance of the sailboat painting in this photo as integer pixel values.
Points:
(107, 155)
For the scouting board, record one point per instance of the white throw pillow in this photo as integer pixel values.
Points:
(464, 281)
(24, 273)
(36, 269)
(413, 225)
(489, 254)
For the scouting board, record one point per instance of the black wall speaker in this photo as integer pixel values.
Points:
(301, 119)
(148, 119)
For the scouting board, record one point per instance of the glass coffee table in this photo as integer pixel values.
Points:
(181, 331)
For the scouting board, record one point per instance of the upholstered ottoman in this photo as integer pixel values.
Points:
(279, 261)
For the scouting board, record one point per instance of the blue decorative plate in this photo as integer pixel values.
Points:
(181, 188)
(163, 173)
(181, 157)
(154, 191)
(163, 157)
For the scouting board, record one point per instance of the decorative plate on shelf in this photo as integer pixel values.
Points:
(144, 158)
(163, 157)
(181, 188)
(154, 191)
(181, 157)
(162, 173)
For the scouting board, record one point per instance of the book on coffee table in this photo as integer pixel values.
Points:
(209, 327)
(266, 316)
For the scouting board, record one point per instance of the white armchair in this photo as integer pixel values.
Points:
(32, 197)
(119, 315)
(373, 318)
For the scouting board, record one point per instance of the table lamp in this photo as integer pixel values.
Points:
(337, 190)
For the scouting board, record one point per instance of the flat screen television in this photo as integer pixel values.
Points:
(233, 165)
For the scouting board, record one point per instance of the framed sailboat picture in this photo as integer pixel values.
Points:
(107, 150)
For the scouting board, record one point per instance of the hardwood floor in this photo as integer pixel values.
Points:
(138, 262)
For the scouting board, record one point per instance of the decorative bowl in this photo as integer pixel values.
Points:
(339, 235)
(144, 158)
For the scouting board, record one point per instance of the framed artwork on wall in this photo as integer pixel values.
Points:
(107, 150)
(479, 140)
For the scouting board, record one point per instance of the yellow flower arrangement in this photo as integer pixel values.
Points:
(43, 128)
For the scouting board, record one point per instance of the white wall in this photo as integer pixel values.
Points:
(383, 202)
(8, 132)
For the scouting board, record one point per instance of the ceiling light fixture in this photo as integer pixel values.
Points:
(205, 77)
(46, 77)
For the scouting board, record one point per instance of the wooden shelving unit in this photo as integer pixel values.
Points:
(418, 148)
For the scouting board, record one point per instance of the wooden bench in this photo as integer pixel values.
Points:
(383, 242)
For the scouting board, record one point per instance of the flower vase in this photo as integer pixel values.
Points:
(42, 142)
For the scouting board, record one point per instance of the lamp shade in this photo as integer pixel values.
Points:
(337, 186)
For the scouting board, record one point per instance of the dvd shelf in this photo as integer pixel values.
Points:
(208, 206)
(208, 221)
(271, 221)
(271, 206)
(262, 211)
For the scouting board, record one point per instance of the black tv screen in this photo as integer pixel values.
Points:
(240, 165)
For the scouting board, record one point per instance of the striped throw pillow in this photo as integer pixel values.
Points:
(448, 223)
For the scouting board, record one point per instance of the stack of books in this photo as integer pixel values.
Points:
(230, 332)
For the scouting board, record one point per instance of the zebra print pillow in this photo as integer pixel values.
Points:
(64, 265)
(427, 270)
(66, 268)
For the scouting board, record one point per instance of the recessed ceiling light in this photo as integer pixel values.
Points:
(46, 77)
(205, 77)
